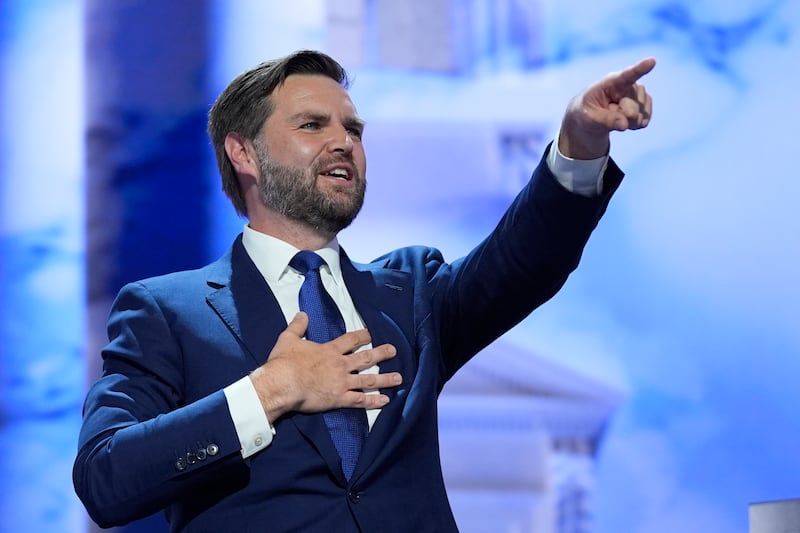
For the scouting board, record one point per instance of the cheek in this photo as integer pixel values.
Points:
(289, 151)
(307, 151)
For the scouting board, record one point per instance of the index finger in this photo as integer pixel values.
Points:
(351, 341)
(632, 74)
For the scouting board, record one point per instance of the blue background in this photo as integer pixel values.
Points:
(687, 300)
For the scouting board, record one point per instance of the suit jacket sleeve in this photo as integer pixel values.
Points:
(140, 446)
(523, 263)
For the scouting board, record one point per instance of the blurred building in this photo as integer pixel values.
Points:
(519, 435)
(448, 36)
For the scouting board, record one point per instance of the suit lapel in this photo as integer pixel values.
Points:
(245, 303)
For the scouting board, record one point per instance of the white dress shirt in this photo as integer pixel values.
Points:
(271, 256)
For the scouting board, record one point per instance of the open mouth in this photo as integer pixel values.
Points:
(338, 173)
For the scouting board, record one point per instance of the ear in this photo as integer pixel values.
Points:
(242, 155)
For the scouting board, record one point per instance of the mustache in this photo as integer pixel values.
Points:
(332, 160)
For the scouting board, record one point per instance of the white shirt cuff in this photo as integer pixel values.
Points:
(583, 177)
(251, 423)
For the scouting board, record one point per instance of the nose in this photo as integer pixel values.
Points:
(341, 141)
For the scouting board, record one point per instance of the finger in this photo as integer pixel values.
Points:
(351, 341)
(642, 117)
(641, 93)
(623, 83)
(635, 110)
(614, 118)
(632, 74)
(367, 358)
(298, 326)
(366, 382)
(620, 123)
(630, 108)
(648, 107)
(364, 400)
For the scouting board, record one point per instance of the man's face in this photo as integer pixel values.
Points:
(311, 158)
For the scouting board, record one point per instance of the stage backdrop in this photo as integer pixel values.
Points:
(655, 393)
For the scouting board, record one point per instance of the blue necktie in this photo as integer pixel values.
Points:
(347, 427)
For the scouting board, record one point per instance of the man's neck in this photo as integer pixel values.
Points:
(301, 236)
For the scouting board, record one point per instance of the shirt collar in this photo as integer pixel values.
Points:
(272, 255)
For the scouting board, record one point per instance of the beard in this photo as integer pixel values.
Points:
(293, 193)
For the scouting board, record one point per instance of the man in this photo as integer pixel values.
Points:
(222, 403)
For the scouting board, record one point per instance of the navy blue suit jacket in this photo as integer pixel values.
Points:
(157, 433)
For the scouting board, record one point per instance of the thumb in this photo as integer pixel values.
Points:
(298, 325)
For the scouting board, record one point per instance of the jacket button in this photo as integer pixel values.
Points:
(212, 449)
(354, 496)
(191, 458)
(180, 464)
(201, 454)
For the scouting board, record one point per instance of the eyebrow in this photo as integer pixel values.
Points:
(352, 122)
(355, 122)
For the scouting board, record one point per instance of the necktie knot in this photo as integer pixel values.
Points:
(305, 261)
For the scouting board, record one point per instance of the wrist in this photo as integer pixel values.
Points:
(274, 399)
(580, 140)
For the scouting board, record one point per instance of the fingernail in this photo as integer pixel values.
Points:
(397, 379)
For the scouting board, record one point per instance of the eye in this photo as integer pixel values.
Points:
(355, 132)
(310, 126)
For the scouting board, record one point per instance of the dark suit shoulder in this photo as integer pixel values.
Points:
(410, 259)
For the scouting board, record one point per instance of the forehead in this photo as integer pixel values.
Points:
(311, 92)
